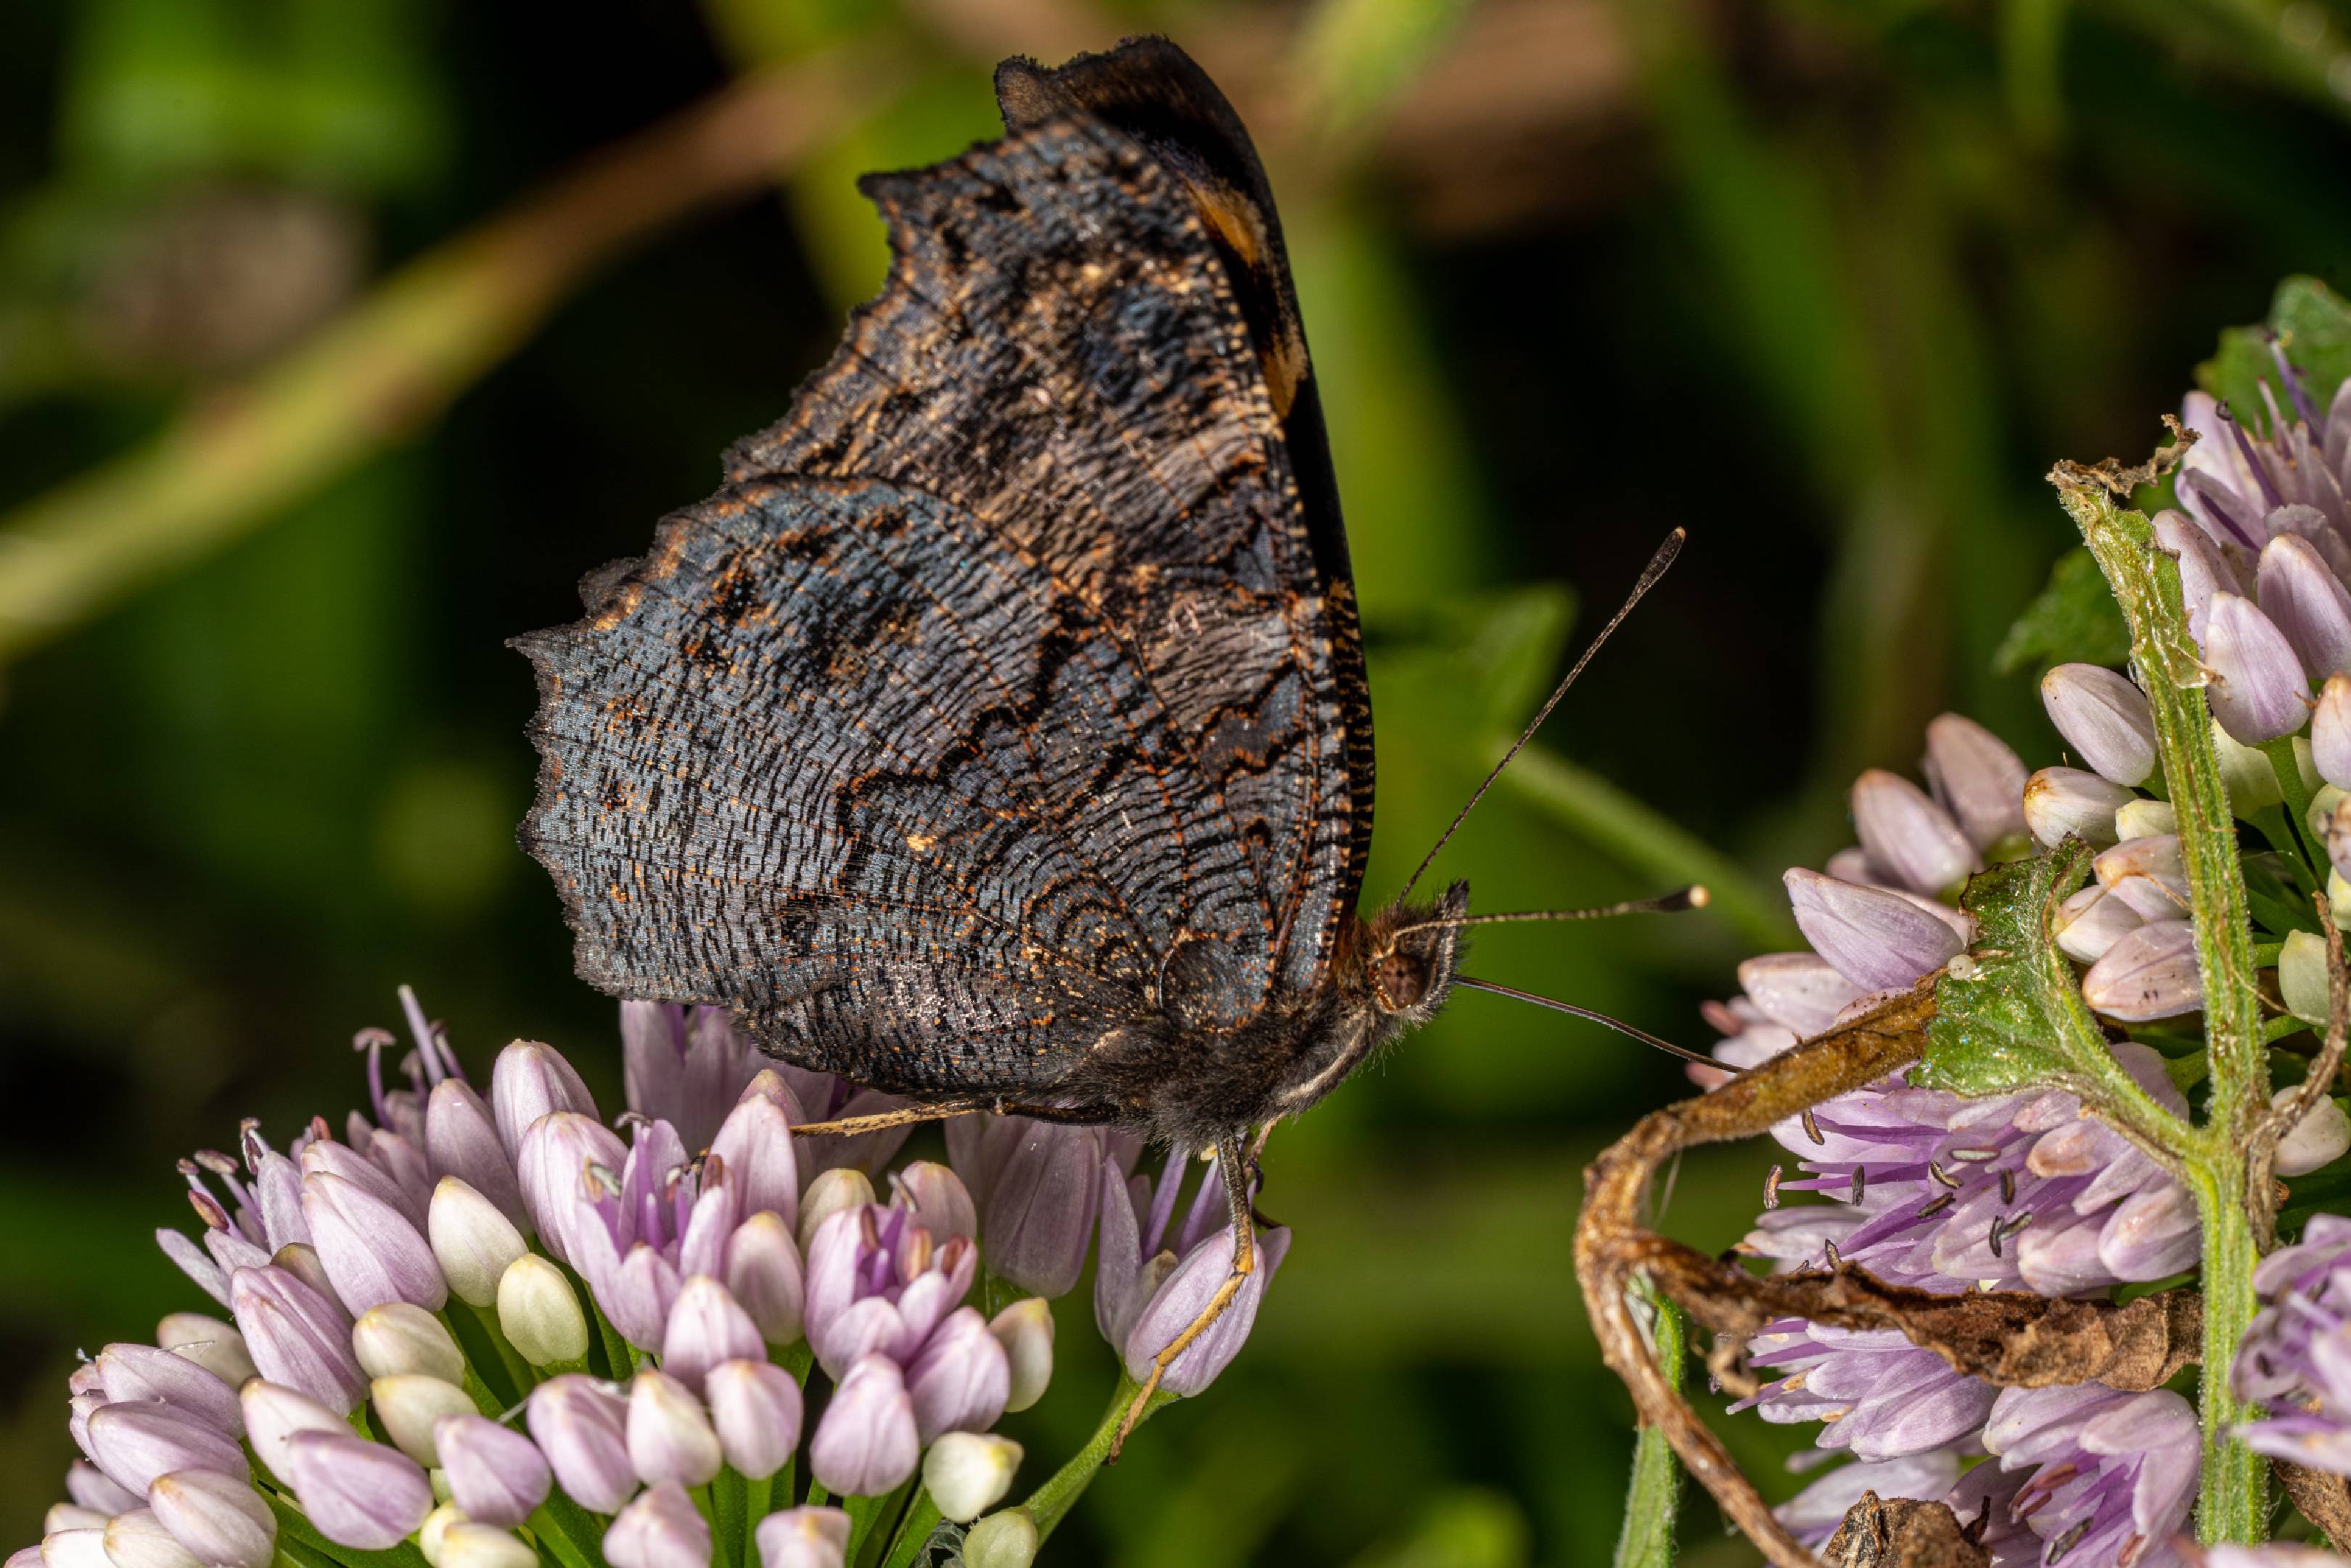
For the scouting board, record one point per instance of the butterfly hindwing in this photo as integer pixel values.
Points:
(1000, 702)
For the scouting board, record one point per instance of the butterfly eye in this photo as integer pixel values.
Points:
(1399, 980)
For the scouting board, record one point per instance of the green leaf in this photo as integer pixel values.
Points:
(1993, 1028)
(1655, 1495)
(2312, 321)
(2072, 621)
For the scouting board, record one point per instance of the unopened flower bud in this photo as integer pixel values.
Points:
(2320, 1138)
(540, 1314)
(408, 1406)
(2061, 801)
(358, 1493)
(938, 1198)
(473, 1241)
(66, 1549)
(669, 1439)
(2150, 973)
(1040, 1212)
(756, 1408)
(2338, 837)
(495, 1474)
(757, 1145)
(2202, 572)
(582, 1427)
(2146, 819)
(469, 1543)
(2155, 863)
(968, 1473)
(528, 1081)
(87, 1486)
(1878, 940)
(220, 1519)
(2257, 688)
(1976, 777)
(135, 1443)
(556, 1152)
(1007, 1540)
(1907, 835)
(2246, 774)
(73, 1516)
(2330, 731)
(865, 1443)
(705, 1327)
(1025, 1330)
(401, 1337)
(211, 1343)
(435, 1526)
(461, 1140)
(297, 1337)
(763, 1275)
(661, 1530)
(273, 1415)
(2301, 596)
(369, 1250)
(2104, 718)
(300, 1259)
(2092, 921)
(961, 1379)
(138, 1540)
(131, 1372)
(803, 1538)
(2302, 976)
(827, 1195)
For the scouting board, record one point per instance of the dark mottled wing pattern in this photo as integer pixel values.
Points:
(990, 710)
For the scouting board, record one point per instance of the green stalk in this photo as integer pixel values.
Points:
(1049, 1502)
(914, 1531)
(2233, 1505)
(1647, 1539)
(566, 1530)
(758, 1501)
(731, 1496)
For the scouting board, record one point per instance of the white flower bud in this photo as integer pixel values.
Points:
(211, 1343)
(2252, 782)
(1007, 1540)
(436, 1524)
(1025, 1330)
(968, 1473)
(539, 1314)
(406, 1406)
(401, 1337)
(2146, 819)
(2320, 1138)
(2302, 976)
(472, 1242)
(845, 1187)
(465, 1545)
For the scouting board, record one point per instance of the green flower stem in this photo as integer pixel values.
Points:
(758, 1501)
(568, 1532)
(914, 1531)
(2234, 1501)
(2297, 799)
(500, 1365)
(1049, 1502)
(1648, 1539)
(869, 1521)
(731, 1495)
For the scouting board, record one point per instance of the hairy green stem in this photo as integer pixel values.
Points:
(1655, 1497)
(2234, 1501)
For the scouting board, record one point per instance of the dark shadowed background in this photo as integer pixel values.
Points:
(322, 372)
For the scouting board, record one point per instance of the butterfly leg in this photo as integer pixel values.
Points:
(1233, 1167)
(850, 1126)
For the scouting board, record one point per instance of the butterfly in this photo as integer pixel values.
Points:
(998, 736)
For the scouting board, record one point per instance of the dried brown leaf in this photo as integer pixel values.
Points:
(1896, 1533)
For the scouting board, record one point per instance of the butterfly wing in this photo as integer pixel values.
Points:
(1000, 703)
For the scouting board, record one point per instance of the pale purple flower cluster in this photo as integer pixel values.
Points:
(2295, 1358)
(1924, 1187)
(496, 1296)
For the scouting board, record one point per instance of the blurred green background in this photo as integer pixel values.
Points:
(325, 367)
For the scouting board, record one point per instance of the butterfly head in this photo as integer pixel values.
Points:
(1408, 952)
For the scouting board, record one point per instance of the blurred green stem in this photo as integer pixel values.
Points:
(1644, 841)
(1049, 1502)
(390, 366)
(1655, 1499)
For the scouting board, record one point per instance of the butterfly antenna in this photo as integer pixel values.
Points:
(1619, 1025)
(1694, 896)
(1649, 575)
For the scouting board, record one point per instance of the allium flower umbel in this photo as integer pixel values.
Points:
(498, 1301)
